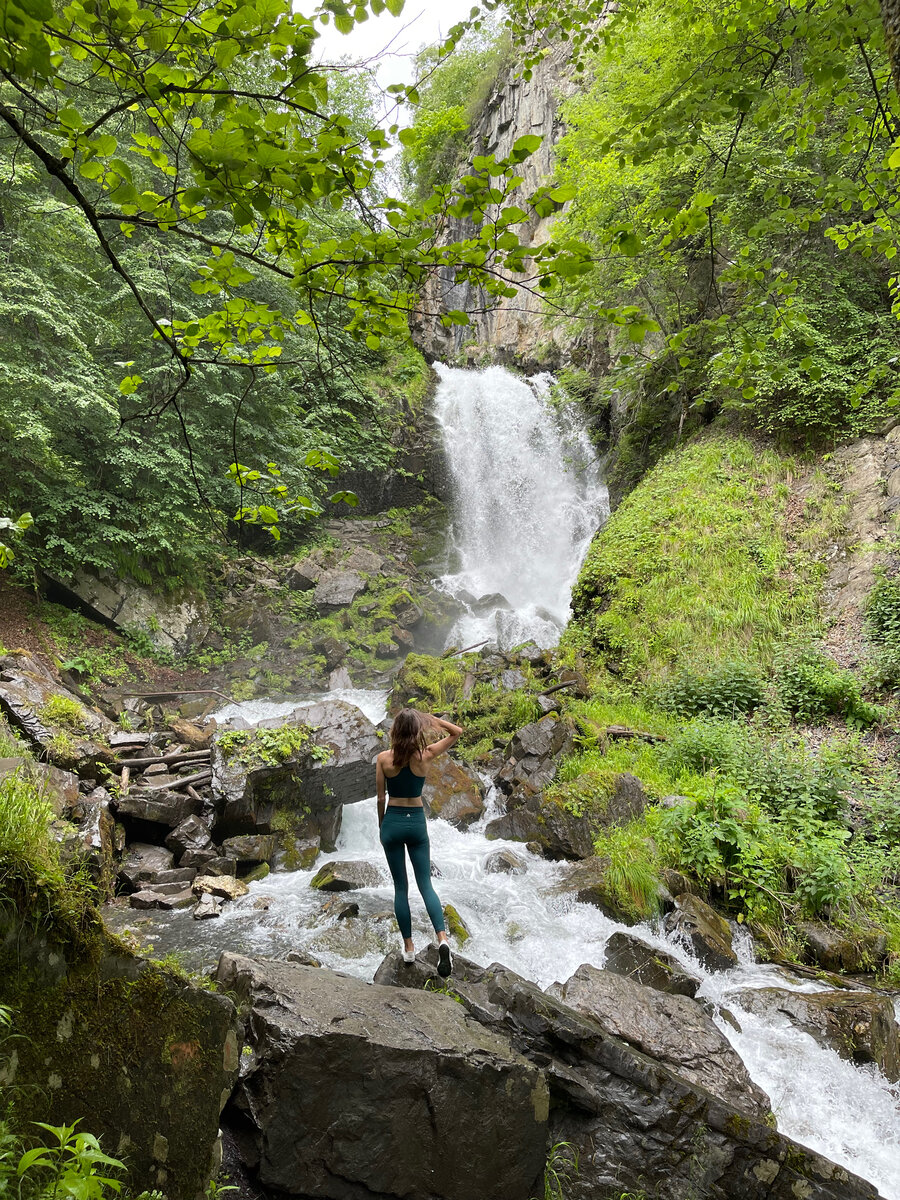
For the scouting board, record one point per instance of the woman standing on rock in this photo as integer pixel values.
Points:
(400, 772)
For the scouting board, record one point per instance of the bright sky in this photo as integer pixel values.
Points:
(422, 23)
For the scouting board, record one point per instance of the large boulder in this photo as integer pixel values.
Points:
(533, 753)
(251, 847)
(529, 817)
(702, 930)
(671, 1029)
(836, 951)
(336, 589)
(635, 1125)
(143, 863)
(174, 623)
(307, 785)
(161, 808)
(626, 801)
(94, 842)
(638, 960)
(131, 1051)
(453, 792)
(53, 719)
(192, 842)
(354, 1090)
(859, 1025)
(346, 877)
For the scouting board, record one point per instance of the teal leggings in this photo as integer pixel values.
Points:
(406, 829)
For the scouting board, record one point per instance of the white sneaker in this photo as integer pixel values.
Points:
(409, 956)
(445, 962)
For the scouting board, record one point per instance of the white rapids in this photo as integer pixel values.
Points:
(850, 1114)
(528, 495)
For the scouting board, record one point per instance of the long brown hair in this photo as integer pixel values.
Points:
(407, 736)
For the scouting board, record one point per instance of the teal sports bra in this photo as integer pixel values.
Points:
(407, 779)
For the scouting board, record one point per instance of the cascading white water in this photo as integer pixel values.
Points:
(527, 497)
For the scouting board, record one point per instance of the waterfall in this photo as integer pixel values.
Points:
(527, 497)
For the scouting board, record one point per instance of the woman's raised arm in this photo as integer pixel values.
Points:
(453, 732)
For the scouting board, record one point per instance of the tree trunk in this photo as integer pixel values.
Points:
(890, 18)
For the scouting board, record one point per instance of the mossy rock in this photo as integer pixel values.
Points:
(456, 926)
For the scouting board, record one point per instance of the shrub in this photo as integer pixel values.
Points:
(812, 687)
(633, 872)
(728, 689)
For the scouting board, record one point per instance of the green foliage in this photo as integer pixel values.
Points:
(71, 1164)
(451, 99)
(14, 527)
(882, 615)
(730, 688)
(560, 1171)
(717, 157)
(64, 711)
(694, 568)
(633, 872)
(812, 688)
(269, 747)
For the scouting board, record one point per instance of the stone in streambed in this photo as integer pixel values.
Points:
(704, 931)
(504, 862)
(208, 906)
(546, 827)
(636, 960)
(346, 876)
(163, 808)
(226, 886)
(165, 896)
(671, 1029)
(260, 871)
(836, 951)
(343, 1071)
(859, 1025)
(251, 847)
(456, 926)
(143, 863)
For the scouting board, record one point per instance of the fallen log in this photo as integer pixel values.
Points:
(168, 759)
(622, 731)
(175, 785)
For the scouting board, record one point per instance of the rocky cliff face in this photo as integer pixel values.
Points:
(513, 332)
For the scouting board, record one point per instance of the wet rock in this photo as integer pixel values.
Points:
(512, 680)
(677, 884)
(303, 576)
(51, 718)
(226, 886)
(143, 863)
(95, 839)
(191, 842)
(332, 649)
(588, 882)
(309, 786)
(674, 1030)
(177, 875)
(701, 928)
(626, 801)
(532, 653)
(648, 965)
(634, 1123)
(251, 847)
(346, 876)
(546, 826)
(296, 854)
(336, 589)
(162, 808)
(164, 896)
(208, 906)
(453, 792)
(836, 951)
(548, 704)
(859, 1025)
(305, 960)
(456, 926)
(260, 871)
(367, 1065)
(219, 866)
(488, 602)
(531, 758)
(354, 938)
(177, 624)
(366, 561)
(505, 862)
